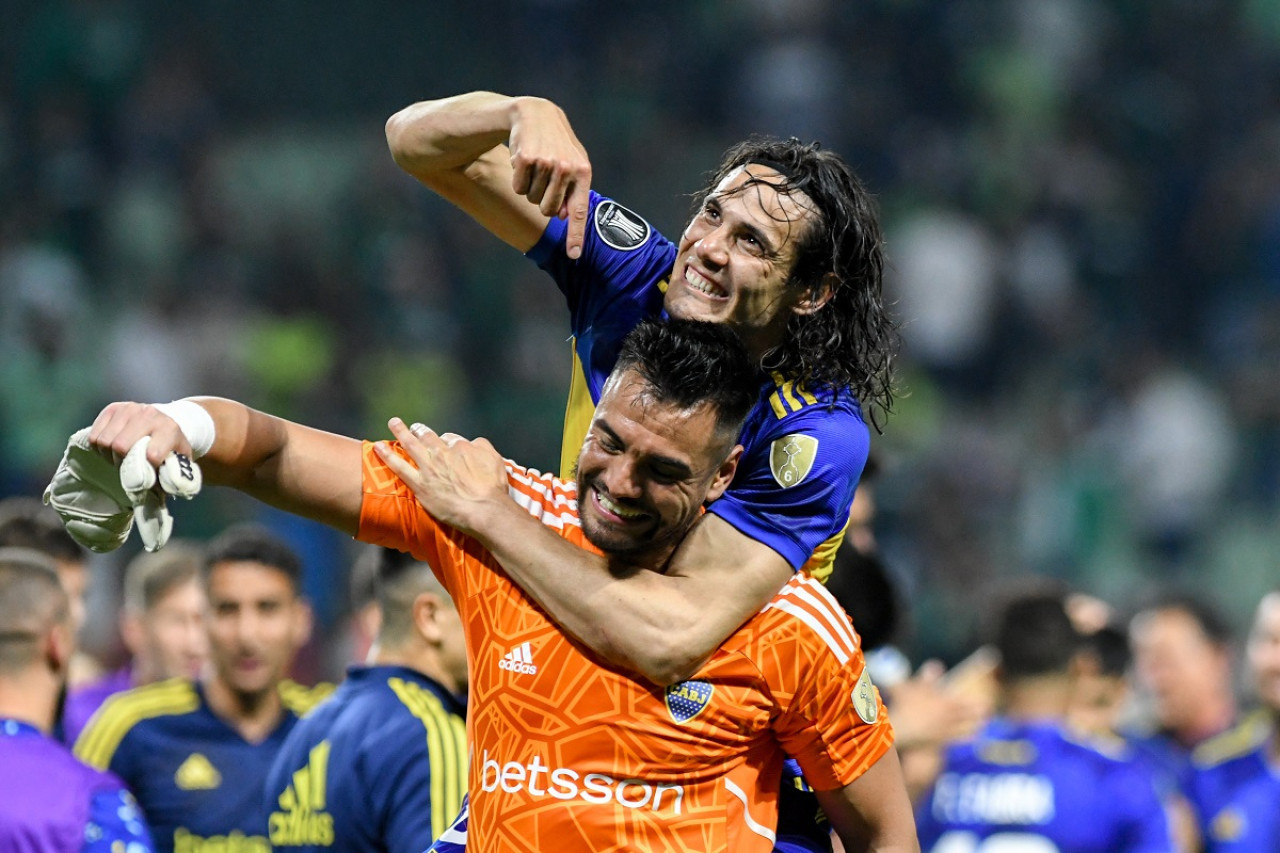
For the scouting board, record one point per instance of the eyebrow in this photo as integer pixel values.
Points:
(766, 244)
(681, 467)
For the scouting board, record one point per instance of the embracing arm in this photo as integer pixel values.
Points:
(296, 468)
(511, 163)
(872, 813)
(661, 625)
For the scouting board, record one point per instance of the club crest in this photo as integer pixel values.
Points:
(864, 699)
(687, 699)
(791, 458)
(619, 227)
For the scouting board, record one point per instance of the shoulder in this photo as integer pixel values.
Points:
(300, 699)
(1109, 749)
(127, 711)
(826, 426)
(1235, 744)
(805, 610)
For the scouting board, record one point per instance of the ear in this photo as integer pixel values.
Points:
(131, 631)
(724, 475)
(818, 296)
(425, 608)
(60, 645)
(303, 622)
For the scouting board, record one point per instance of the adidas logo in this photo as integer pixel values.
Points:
(519, 659)
(302, 820)
(197, 773)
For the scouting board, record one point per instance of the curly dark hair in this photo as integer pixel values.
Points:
(851, 341)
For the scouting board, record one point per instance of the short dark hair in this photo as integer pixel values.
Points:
(256, 544)
(1034, 635)
(31, 601)
(1109, 647)
(861, 582)
(688, 363)
(28, 523)
(851, 341)
(1205, 614)
(150, 576)
(399, 578)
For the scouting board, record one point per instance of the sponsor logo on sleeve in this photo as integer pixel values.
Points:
(864, 699)
(619, 227)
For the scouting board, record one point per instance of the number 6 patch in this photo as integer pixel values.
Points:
(791, 458)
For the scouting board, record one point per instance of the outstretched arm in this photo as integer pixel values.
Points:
(511, 163)
(296, 468)
(661, 625)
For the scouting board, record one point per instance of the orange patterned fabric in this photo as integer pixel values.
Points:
(568, 753)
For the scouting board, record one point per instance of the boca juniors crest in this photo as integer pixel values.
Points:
(687, 699)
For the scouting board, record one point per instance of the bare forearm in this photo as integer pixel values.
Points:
(450, 133)
(873, 813)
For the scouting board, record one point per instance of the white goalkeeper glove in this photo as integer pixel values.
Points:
(99, 499)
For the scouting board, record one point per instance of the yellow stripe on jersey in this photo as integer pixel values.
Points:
(577, 418)
(97, 744)
(299, 698)
(446, 750)
(1243, 738)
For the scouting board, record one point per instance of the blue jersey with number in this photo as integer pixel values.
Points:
(381, 765)
(1235, 790)
(198, 781)
(52, 803)
(1032, 787)
(804, 449)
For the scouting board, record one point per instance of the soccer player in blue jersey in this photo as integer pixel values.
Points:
(786, 248)
(49, 801)
(196, 753)
(1027, 782)
(382, 764)
(1235, 781)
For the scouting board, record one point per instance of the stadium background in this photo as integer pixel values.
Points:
(1081, 200)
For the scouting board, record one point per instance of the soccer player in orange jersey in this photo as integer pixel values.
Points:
(568, 752)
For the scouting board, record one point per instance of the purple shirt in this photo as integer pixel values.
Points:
(52, 803)
(84, 701)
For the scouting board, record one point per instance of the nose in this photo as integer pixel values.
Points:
(622, 479)
(712, 248)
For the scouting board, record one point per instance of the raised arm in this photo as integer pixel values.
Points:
(511, 163)
(296, 468)
(663, 626)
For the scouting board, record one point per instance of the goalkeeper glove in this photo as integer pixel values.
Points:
(100, 500)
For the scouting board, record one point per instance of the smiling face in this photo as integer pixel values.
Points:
(256, 625)
(645, 470)
(736, 257)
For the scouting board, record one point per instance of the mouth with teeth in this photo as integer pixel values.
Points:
(697, 281)
(616, 512)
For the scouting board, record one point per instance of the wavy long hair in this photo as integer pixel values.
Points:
(851, 341)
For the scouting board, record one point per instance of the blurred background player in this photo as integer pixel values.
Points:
(1184, 674)
(161, 624)
(786, 249)
(49, 801)
(1235, 780)
(381, 765)
(28, 523)
(1025, 778)
(196, 753)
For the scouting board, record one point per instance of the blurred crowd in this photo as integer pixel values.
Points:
(1081, 201)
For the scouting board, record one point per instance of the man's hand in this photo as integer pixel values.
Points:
(119, 472)
(550, 166)
(458, 481)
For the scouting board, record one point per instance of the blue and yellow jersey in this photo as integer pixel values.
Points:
(198, 781)
(804, 450)
(1235, 790)
(1033, 786)
(379, 766)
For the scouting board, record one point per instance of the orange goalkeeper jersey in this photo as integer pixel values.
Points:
(571, 754)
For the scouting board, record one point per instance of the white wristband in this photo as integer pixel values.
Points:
(196, 424)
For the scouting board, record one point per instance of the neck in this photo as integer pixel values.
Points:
(418, 657)
(253, 715)
(1044, 697)
(1212, 715)
(30, 697)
